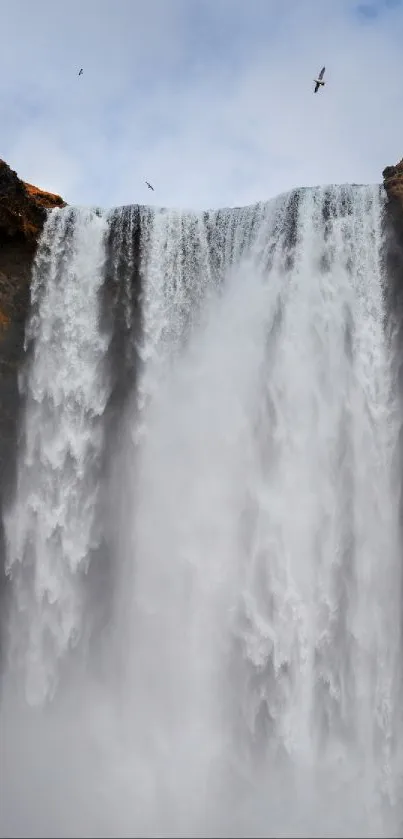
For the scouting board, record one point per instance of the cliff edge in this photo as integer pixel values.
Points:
(23, 210)
(393, 238)
(393, 182)
(22, 215)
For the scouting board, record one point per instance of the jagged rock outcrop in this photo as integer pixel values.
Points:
(22, 216)
(393, 181)
(393, 238)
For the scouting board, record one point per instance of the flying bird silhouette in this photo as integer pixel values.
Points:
(149, 186)
(319, 81)
(80, 72)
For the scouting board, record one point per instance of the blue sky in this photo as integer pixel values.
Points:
(210, 100)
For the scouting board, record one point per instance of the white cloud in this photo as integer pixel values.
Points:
(211, 101)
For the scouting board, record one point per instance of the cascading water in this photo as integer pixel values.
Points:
(256, 605)
(51, 530)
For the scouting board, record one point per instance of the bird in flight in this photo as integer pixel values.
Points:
(80, 72)
(319, 81)
(149, 186)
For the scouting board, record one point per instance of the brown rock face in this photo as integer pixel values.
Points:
(393, 181)
(393, 230)
(22, 216)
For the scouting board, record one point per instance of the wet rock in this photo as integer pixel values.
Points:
(23, 210)
(393, 181)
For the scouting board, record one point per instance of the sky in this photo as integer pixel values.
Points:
(210, 100)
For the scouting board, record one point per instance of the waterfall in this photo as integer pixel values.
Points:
(51, 530)
(249, 517)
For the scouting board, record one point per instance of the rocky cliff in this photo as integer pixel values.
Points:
(22, 215)
(23, 210)
(393, 238)
(393, 182)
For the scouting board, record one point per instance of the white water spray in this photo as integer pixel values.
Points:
(258, 609)
(51, 527)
